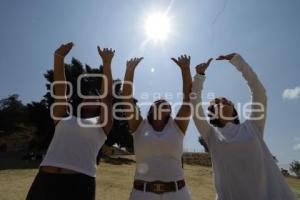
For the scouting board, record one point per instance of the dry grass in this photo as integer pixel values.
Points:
(114, 182)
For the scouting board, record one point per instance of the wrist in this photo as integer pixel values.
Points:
(185, 71)
(106, 62)
(130, 69)
(58, 56)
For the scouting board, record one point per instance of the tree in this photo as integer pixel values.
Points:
(295, 167)
(12, 113)
(120, 134)
(284, 172)
(39, 115)
(40, 111)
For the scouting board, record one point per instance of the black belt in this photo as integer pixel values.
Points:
(158, 187)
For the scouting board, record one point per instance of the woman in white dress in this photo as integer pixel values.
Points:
(68, 170)
(244, 168)
(158, 141)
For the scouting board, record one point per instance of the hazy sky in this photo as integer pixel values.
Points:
(265, 32)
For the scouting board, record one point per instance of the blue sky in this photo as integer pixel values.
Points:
(266, 33)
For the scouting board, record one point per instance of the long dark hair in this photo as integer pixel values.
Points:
(216, 121)
(150, 116)
(92, 92)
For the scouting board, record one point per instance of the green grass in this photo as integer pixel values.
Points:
(114, 182)
(294, 183)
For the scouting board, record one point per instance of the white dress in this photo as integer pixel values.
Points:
(244, 168)
(158, 157)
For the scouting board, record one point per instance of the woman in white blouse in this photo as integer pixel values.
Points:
(68, 170)
(158, 140)
(243, 165)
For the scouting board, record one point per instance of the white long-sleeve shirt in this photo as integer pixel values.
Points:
(244, 168)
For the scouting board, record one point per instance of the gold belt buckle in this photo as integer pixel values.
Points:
(158, 187)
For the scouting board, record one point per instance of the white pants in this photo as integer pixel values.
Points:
(182, 194)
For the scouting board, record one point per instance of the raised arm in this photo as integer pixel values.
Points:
(60, 85)
(131, 111)
(259, 97)
(183, 116)
(198, 116)
(106, 115)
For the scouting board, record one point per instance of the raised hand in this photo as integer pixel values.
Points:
(106, 54)
(64, 49)
(59, 76)
(226, 57)
(183, 61)
(133, 62)
(201, 68)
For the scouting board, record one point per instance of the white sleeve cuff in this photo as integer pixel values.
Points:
(199, 76)
(236, 60)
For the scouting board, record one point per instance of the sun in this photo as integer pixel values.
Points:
(157, 27)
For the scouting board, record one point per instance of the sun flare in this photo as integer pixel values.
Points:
(157, 27)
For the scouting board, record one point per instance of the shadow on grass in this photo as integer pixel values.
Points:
(13, 160)
(117, 160)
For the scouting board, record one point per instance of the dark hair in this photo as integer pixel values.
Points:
(216, 121)
(151, 110)
(90, 92)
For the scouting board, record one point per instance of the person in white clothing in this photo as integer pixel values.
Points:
(68, 170)
(243, 166)
(158, 140)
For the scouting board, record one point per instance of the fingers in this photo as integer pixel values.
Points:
(106, 53)
(139, 60)
(67, 45)
(209, 61)
(201, 68)
(226, 57)
(64, 49)
(182, 59)
(221, 57)
(185, 57)
(206, 65)
(230, 56)
(134, 61)
(70, 44)
(111, 50)
(175, 61)
(105, 50)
